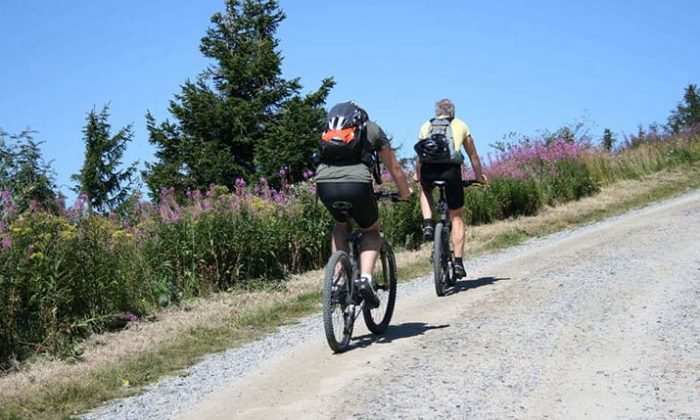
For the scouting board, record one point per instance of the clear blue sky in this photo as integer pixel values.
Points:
(508, 65)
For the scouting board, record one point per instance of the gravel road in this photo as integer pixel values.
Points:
(601, 321)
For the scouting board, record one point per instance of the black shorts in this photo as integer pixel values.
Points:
(444, 172)
(360, 194)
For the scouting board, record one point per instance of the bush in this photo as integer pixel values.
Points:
(402, 223)
(60, 281)
(570, 180)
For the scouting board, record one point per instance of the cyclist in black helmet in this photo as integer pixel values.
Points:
(345, 174)
(439, 157)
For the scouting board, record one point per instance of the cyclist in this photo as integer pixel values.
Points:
(345, 174)
(440, 158)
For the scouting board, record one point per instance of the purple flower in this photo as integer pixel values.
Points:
(307, 174)
(79, 205)
(131, 317)
(240, 182)
(5, 197)
(61, 203)
(235, 202)
(283, 172)
(6, 242)
(12, 209)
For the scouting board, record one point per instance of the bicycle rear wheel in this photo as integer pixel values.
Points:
(338, 316)
(439, 260)
(378, 319)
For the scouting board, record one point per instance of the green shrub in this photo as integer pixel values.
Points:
(401, 223)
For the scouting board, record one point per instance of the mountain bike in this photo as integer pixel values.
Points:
(443, 254)
(342, 303)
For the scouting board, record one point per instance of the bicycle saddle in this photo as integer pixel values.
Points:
(439, 183)
(341, 205)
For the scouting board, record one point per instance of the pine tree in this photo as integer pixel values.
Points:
(608, 139)
(237, 103)
(31, 178)
(100, 178)
(7, 155)
(687, 113)
(293, 136)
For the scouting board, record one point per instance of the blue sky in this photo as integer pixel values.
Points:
(509, 66)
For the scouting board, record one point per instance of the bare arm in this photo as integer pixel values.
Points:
(474, 158)
(386, 154)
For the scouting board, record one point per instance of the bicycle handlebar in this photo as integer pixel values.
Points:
(387, 195)
(469, 182)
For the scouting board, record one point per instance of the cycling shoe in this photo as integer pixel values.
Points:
(364, 287)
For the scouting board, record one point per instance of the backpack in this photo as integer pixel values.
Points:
(438, 146)
(344, 140)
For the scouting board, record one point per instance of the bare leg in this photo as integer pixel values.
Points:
(340, 237)
(369, 248)
(457, 219)
(426, 203)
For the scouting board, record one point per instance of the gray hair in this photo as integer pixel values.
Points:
(445, 107)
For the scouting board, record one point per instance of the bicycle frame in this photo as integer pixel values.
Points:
(353, 247)
(446, 223)
(443, 258)
(442, 208)
(342, 300)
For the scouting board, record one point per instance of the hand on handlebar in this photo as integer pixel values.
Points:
(407, 197)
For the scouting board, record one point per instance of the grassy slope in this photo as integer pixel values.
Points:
(119, 364)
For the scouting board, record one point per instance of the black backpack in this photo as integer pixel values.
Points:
(344, 140)
(438, 147)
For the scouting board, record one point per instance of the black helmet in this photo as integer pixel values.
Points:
(345, 115)
(433, 149)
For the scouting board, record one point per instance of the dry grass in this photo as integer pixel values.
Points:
(243, 315)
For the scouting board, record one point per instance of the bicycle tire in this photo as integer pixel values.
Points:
(450, 279)
(337, 322)
(378, 319)
(438, 260)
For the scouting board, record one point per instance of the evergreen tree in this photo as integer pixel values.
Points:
(7, 155)
(293, 136)
(608, 139)
(100, 177)
(237, 103)
(687, 113)
(31, 178)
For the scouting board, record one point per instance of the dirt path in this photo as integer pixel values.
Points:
(603, 321)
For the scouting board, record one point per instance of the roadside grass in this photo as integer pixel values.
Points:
(119, 364)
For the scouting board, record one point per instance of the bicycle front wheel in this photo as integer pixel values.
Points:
(439, 266)
(338, 316)
(378, 319)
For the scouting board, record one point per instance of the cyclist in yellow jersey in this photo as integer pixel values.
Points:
(447, 167)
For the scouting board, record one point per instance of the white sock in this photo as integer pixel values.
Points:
(367, 276)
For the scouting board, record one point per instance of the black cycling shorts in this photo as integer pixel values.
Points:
(444, 172)
(360, 194)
